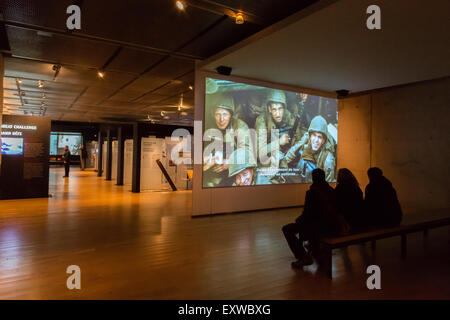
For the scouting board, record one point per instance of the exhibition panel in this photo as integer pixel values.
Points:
(25, 147)
(128, 162)
(104, 153)
(114, 160)
(92, 150)
(151, 175)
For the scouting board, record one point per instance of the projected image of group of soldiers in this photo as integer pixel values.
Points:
(267, 136)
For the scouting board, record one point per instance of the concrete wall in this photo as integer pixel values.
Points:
(404, 131)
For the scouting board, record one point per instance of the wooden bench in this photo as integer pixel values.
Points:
(331, 243)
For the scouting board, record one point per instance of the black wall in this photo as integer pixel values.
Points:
(26, 175)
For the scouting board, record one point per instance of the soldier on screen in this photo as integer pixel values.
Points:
(234, 134)
(242, 168)
(277, 116)
(314, 150)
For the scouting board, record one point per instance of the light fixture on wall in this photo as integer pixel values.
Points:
(239, 18)
(181, 5)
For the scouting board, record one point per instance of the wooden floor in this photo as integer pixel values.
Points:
(146, 246)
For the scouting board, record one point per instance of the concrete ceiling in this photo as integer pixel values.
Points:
(332, 49)
(147, 50)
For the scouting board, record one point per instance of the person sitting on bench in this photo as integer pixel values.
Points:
(350, 199)
(319, 218)
(381, 200)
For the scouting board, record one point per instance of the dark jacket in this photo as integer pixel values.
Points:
(84, 154)
(66, 156)
(382, 203)
(320, 210)
(350, 205)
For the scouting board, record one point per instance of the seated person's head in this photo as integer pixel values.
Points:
(374, 173)
(346, 177)
(318, 176)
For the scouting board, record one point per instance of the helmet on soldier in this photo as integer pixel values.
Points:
(225, 101)
(318, 133)
(223, 110)
(276, 96)
(319, 124)
(240, 159)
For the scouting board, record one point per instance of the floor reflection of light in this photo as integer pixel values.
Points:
(10, 257)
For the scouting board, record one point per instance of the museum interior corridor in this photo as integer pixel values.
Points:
(146, 246)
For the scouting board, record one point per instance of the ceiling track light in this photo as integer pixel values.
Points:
(19, 80)
(40, 84)
(239, 18)
(101, 74)
(191, 87)
(44, 96)
(56, 68)
(181, 5)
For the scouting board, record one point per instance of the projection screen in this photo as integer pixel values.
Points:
(262, 136)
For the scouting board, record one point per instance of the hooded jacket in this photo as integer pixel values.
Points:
(382, 203)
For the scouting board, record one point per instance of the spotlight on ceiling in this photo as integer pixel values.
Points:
(191, 87)
(56, 68)
(44, 96)
(180, 5)
(19, 80)
(239, 18)
(101, 74)
(40, 84)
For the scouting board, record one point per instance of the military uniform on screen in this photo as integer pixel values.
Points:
(309, 160)
(266, 122)
(231, 141)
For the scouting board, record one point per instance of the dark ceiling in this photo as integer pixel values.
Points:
(146, 48)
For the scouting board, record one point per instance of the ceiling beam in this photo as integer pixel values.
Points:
(185, 44)
(83, 36)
